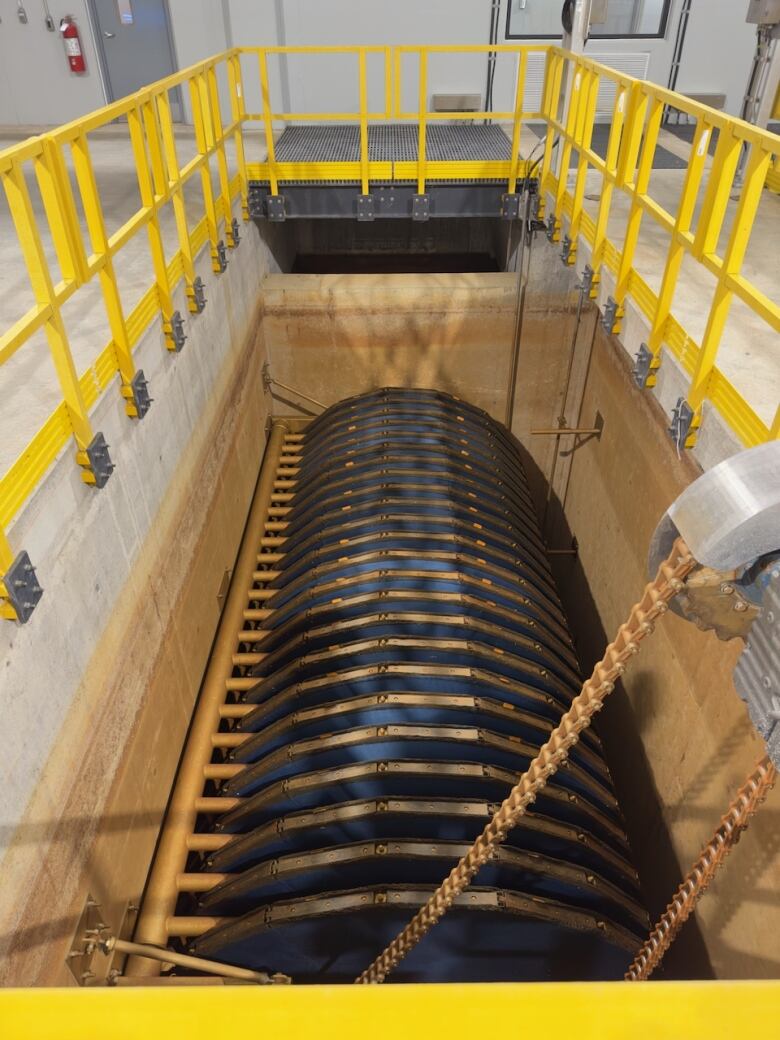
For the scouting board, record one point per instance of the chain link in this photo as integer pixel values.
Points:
(748, 798)
(654, 602)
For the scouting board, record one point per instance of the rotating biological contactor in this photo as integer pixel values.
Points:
(414, 657)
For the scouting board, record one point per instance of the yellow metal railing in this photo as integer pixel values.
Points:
(569, 114)
(636, 120)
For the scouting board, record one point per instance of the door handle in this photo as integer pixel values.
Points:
(108, 35)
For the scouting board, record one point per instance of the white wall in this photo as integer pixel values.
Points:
(36, 84)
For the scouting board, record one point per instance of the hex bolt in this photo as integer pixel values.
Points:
(740, 606)
(726, 588)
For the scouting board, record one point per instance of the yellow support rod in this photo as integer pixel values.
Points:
(423, 109)
(584, 133)
(610, 175)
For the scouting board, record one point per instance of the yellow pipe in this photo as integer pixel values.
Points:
(160, 897)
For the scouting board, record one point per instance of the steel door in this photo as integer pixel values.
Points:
(135, 40)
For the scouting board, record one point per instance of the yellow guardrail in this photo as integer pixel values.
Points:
(569, 114)
(637, 114)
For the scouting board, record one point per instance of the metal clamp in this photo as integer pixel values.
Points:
(365, 207)
(255, 200)
(174, 332)
(421, 207)
(21, 587)
(235, 232)
(566, 250)
(681, 426)
(552, 227)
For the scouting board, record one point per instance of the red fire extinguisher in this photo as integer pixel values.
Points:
(72, 40)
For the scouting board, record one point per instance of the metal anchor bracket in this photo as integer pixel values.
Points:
(274, 207)
(586, 282)
(510, 205)
(137, 393)
(22, 590)
(644, 367)
(220, 260)
(235, 233)
(365, 207)
(567, 255)
(421, 207)
(196, 295)
(552, 227)
(683, 426)
(96, 461)
(610, 320)
(175, 336)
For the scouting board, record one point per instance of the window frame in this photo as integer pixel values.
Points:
(660, 35)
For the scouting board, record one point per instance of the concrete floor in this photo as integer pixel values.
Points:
(748, 356)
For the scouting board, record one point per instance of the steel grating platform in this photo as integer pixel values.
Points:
(393, 196)
(411, 659)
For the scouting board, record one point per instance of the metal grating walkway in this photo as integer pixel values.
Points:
(392, 142)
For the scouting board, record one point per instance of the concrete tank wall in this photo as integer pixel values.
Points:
(98, 687)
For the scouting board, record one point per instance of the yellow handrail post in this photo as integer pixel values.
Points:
(423, 113)
(584, 136)
(363, 88)
(519, 95)
(57, 198)
(268, 120)
(564, 152)
(218, 135)
(388, 83)
(677, 245)
(553, 70)
(26, 227)
(176, 187)
(608, 184)
(238, 113)
(204, 143)
(747, 207)
(636, 185)
(93, 212)
(152, 185)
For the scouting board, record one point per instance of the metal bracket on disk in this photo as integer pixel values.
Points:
(98, 461)
(682, 429)
(421, 207)
(643, 366)
(610, 315)
(566, 253)
(365, 207)
(136, 393)
(510, 205)
(274, 207)
(174, 331)
(22, 590)
(235, 232)
(220, 259)
(552, 227)
(255, 201)
(89, 930)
